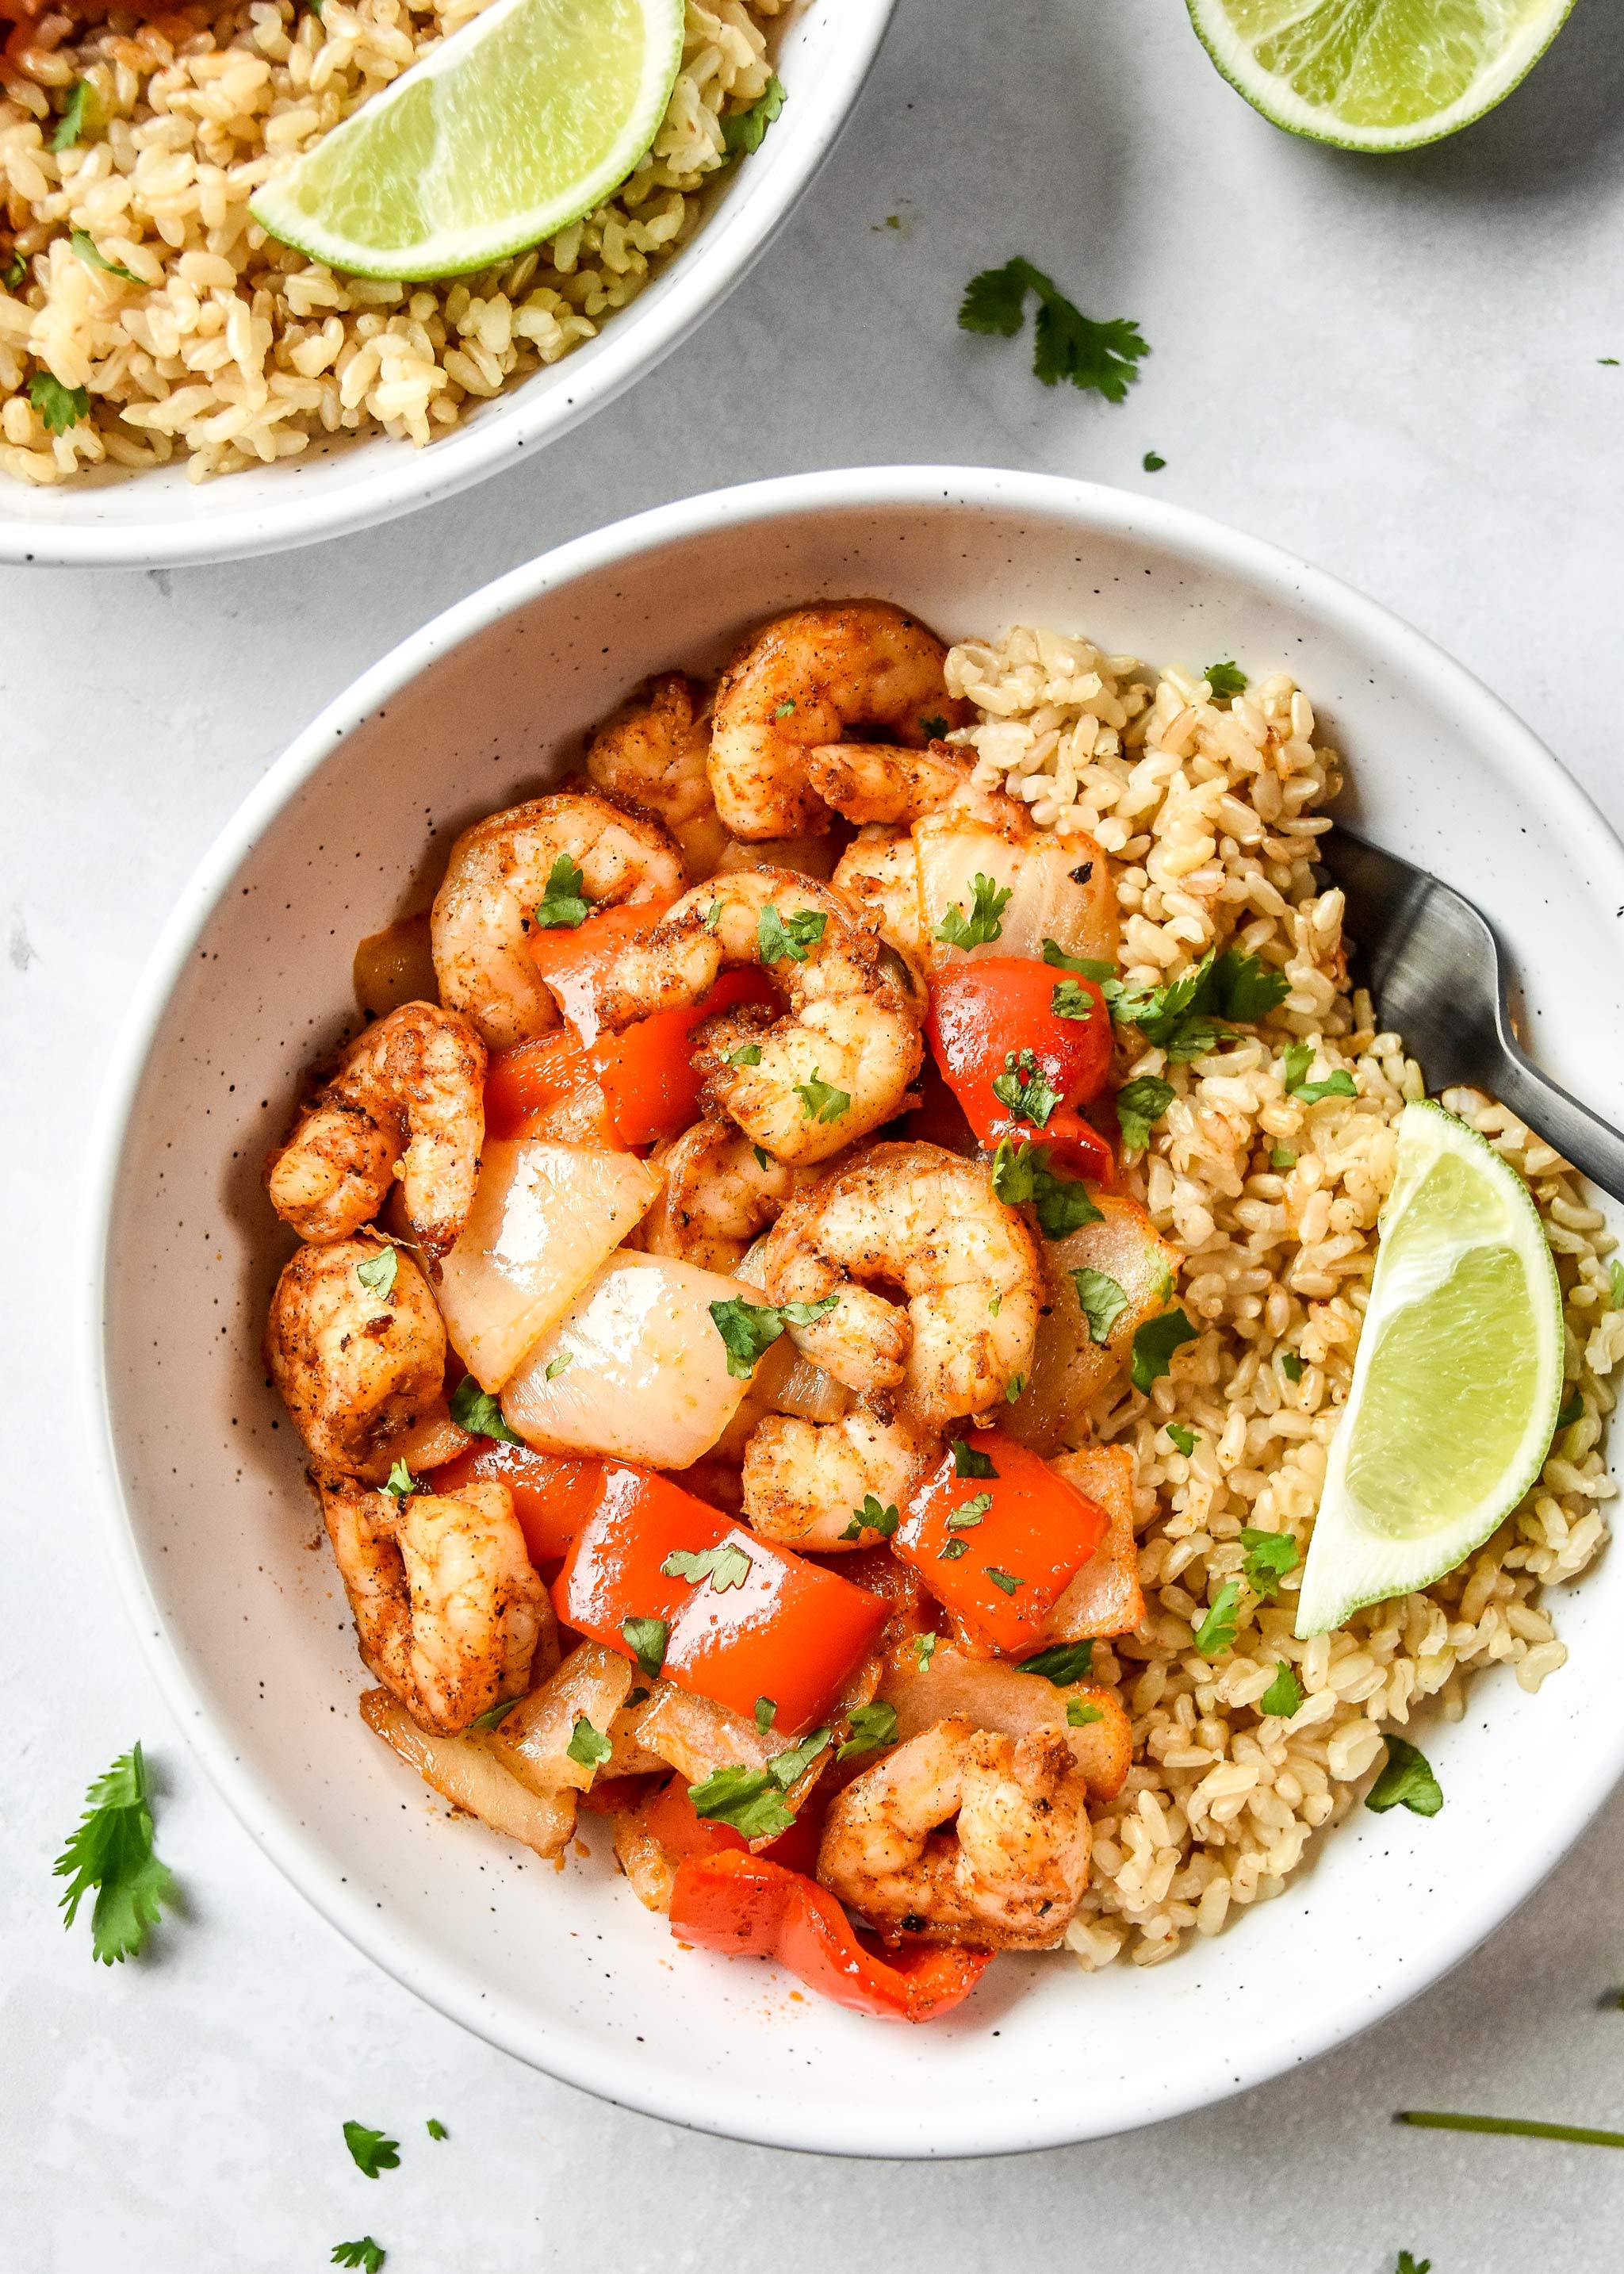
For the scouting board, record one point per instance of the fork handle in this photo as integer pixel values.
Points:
(1593, 1146)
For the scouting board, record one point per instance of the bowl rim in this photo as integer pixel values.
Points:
(596, 2065)
(720, 255)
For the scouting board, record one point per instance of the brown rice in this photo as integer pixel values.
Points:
(1211, 812)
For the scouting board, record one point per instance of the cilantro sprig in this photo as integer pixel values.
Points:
(1298, 1058)
(564, 906)
(1226, 681)
(378, 1273)
(1187, 1016)
(1140, 1104)
(477, 1410)
(751, 1800)
(872, 1727)
(1102, 1299)
(985, 921)
(112, 1852)
(821, 1101)
(59, 407)
(1153, 1345)
(365, 2253)
(744, 130)
(372, 2152)
(1025, 1087)
(1021, 1176)
(646, 1639)
(872, 1518)
(1407, 1781)
(1062, 1663)
(790, 939)
(748, 1330)
(1092, 355)
(1215, 1635)
(1269, 1557)
(725, 1566)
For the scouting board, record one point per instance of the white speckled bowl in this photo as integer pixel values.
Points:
(823, 50)
(210, 1524)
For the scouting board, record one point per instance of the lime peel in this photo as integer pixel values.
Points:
(1458, 1381)
(521, 123)
(1376, 75)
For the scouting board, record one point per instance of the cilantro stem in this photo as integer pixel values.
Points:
(1523, 2126)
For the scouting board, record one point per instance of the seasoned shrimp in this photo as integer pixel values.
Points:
(720, 1192)
(880, 781)
(358, 1369)
(878, 873)
(928, 1222)
(804, 1484)
(805, 1086)
(499, 872)
(803, 682)
(448, 1607)
(405, 1100)
(653, 753)
(1012, 1869)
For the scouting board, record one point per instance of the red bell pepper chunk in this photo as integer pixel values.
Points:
(553, 1494)
(669, 1816)
(994, 1018)
(647, 1070)
(789, 1630)
(574, 959)
(1074, 1146)
(1021, 1535)
(533, 1078)
(744, 1905)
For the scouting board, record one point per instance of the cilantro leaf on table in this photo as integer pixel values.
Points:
(477, 1410)
(1153, 462)
(1021, 1176)
(436, 2129)
(1102, 1300)
(1406, 1781)
(725, 1566)
(1216, 1632)
(1153, 1345)
(821, 1100)
(1101, 357)
(1025, 1087)
(60, 407)
(1062, 1663)
(744, 130)
(1269, 1557)
(872, 1727)
(985, 921)
(1298, 1058)
(588, 1746)
(365, 2253)
(371, 2152)
(1409, 2264)
(112, 1852)
(748, 1330)
(646, 1639)
(1226, 680)
(1284, 1694)
(788, 939)
(564, 906)
(1140, 1104)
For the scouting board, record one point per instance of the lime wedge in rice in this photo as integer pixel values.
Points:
(520, 124)
(1376, 74)
(1458, 1381)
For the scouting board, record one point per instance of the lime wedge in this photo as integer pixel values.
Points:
(1458, 1381)
(1376, 74)
(528, 119)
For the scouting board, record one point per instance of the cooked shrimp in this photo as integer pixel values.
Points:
(499, 872)
(928, 1222)
(448, 1607)
(878, 873)
(720, 1191)
(406, 1099)
(653, 753)
(358, 1369)
(880, 781)
(804, 681)
(836, 1066)
(1012, 1870)
(803, 1484)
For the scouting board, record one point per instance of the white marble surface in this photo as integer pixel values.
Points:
(1392, 368)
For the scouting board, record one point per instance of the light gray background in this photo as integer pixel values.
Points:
(1390, 366)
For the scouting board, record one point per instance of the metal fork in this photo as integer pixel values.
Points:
(1438, 976)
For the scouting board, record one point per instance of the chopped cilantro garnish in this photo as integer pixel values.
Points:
(1615, 1284)
(1102, 1299)
(785, 709)
(587, 1745)
(1153, 462)
(821, 1100)
(742, 130)
(1281, 1156)
(556, 1365)
(1062, 1663)
(1014, 1389)
(1216, 1632)
(1226, 680)
(871, 1517)
(495, 1715)
(16, 268)
(985, 921)
(766, 1714)
(1078, 1715)
(872, 1727)
(1572, 1409)
(1408, 2263)
(70, 126)
(1025, 1087)
(1021, 1174)
(727, 1566)
(477, 1410)
(1067, 344)
(967, 1462)
(1269, 1557)
(1292, 1366)
(1298, 1058)
(373, 2153)
(646, 1639)
(747, 1799)
(378, 1271)
(364, 2253)
(789, 937)
(969, 1512)
(436, 2129)
(1072, 1000)
(748, 1329)
(953, 1550)
(1406, 1781)
(112, 1852)
(1284, 1694)
(59, 406)
(1190, 1013)
(746, 1054)
(934, 729)
(1183, 1439)
(401, 1482)
(85, 246)
(1153, 1345)
(925, 1648)
(564, 906)
(1004, 1580)
(713, 916)
(764, 1159)
(1140, 1103)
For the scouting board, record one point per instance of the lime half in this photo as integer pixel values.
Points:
(1376, 74)
(1458, 1381)
(528, 119)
